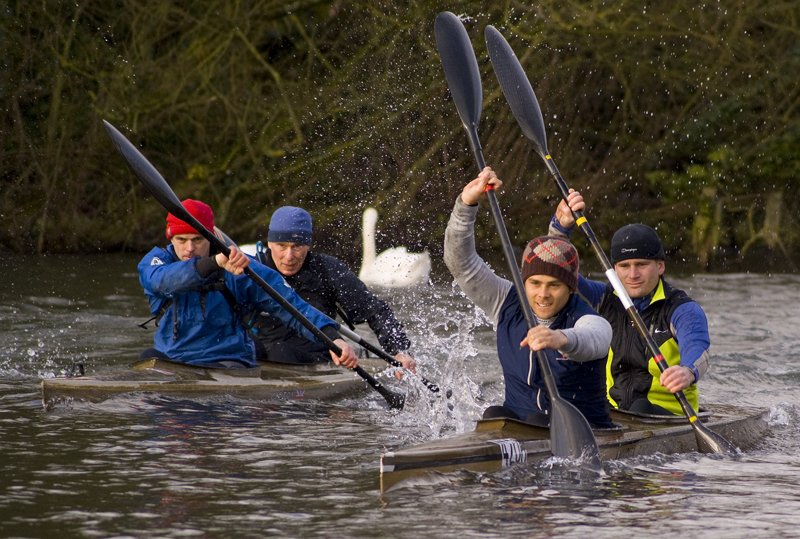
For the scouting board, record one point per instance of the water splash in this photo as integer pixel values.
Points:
(779, 415)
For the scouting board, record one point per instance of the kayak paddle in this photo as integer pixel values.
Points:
(570, 433)
(358, 339)
(158, 187)
(519, 94)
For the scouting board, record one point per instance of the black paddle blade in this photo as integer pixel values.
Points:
(517, 89)
(461, 70)
(147, 173)
(571, 436)
(155, 183)
(396, 401)
(709, 441)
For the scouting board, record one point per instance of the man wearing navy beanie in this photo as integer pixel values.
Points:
(290, 224)
(327, 284)
(678, 324)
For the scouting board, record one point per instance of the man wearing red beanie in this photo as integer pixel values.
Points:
(572, 335)
(186, 284)
(677, 324)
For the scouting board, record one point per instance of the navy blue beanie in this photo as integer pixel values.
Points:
(636, 241)
(290, 224)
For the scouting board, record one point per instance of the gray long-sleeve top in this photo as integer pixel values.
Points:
(588, 340)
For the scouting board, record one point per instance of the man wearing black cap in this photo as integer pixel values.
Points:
(677, 324)
(574, 338)
(326, 283)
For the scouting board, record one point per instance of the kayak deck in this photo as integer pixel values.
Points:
(499, 443)
(268, 380)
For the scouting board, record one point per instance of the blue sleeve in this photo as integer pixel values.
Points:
(251, 296)
(592, 291)
(555, 224)
(162, 276)
(360, 305)
(691, 332)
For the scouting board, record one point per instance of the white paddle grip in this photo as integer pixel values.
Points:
(616, 284)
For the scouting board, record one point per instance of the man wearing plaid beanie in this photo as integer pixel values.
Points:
(184, 283)
(574, 338)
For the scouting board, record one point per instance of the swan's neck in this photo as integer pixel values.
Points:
(369, 221)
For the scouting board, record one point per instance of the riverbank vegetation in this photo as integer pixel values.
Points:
(683, 115)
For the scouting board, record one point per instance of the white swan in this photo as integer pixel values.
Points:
(394, 267)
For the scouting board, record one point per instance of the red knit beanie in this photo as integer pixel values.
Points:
(551, 256)
(199, 211)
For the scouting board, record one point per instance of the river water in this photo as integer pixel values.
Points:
(150, 466)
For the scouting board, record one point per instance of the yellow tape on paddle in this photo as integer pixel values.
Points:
(580, 221)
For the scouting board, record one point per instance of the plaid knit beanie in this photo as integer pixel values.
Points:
(551, 256)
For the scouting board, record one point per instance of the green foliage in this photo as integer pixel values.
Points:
(335, 105)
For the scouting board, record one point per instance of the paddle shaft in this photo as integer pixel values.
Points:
(159, 188)
(355, 337)
(508, 251)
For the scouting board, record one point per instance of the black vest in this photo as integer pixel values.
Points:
(630, 371)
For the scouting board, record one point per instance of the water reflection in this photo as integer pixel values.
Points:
(143, 465)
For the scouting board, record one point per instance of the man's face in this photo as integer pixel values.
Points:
(639, 276)
(288, 256)
(547, 295)
(188, 246)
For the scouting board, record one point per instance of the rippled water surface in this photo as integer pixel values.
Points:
(151, 466)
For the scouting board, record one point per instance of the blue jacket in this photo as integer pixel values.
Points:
(199, 325)
(580, 383)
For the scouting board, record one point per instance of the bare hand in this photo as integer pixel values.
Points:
(348, 357)
(564, 212)
(540, 337)
(676, 378)
(474, 190)
(407, 362)
(235, 263)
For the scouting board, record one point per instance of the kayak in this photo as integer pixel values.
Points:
(276, 381)
(498, 443)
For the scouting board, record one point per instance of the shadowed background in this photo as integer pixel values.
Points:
(681, 115)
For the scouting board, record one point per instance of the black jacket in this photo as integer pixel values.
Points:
(631, 375)
(325, 282)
